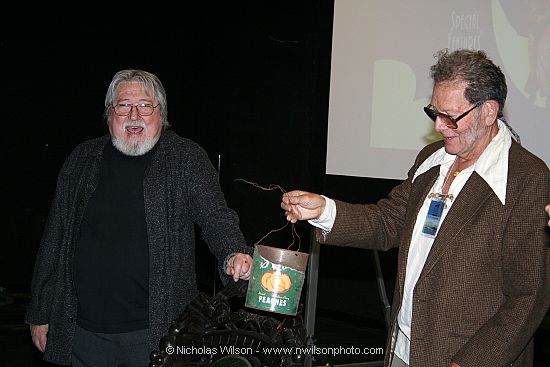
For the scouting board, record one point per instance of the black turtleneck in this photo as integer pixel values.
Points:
(111, 263)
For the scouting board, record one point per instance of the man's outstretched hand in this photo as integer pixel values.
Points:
(302, 205)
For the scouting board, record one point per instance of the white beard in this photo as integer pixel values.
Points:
(134, 148)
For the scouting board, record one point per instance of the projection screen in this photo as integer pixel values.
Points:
(381, 54)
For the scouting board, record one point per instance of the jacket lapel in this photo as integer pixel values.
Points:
(470, 199)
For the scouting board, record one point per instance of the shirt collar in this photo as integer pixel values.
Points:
(492, 165)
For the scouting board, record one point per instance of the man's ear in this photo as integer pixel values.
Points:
(490, 111)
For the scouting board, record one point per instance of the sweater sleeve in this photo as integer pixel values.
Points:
(219, 223)
(47, 258)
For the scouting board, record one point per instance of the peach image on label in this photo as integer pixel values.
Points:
(276, 282)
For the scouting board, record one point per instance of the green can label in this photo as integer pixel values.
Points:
(274, 287)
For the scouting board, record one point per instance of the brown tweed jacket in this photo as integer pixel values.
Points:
(485, 286)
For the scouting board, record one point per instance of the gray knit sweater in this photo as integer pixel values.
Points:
(180, 188)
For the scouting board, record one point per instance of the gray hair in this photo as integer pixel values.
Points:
(151, 84)
(485, 80)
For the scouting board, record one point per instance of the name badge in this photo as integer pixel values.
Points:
(433, 218)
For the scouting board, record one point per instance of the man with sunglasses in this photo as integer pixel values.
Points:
(117, 260)
(473, 278)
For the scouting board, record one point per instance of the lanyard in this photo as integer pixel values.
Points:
(437, 205)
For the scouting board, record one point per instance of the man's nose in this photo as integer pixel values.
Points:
(134, 114)
(439, 125)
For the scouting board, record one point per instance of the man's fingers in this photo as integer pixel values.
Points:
(42, 343)
(36, 343)
(39, 336)
(239, 267)
(246, 267)
(294, 200)
(236, 270)
(293, 197)
(291, 217)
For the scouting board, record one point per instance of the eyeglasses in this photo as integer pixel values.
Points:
(449, 121)
(144, 109)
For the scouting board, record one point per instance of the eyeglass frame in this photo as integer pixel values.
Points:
(433, 113)
(136, 105)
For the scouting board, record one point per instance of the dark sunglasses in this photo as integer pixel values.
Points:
(449, 121)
